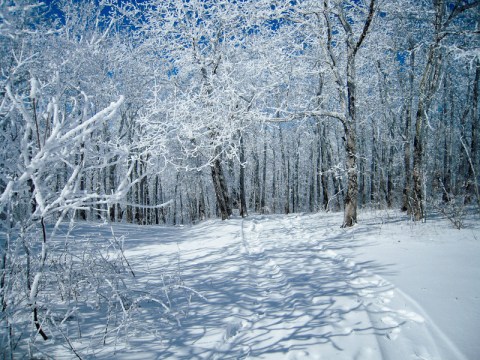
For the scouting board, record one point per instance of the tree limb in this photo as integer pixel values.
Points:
(366, 27)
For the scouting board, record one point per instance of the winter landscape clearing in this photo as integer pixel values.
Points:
(130, 129)
(298, 287)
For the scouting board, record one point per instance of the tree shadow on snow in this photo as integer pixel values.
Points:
(266, 290)
(266, 296)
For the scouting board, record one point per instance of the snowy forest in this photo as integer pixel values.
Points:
(172, 112)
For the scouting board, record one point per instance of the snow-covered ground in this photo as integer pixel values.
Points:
(300, 287)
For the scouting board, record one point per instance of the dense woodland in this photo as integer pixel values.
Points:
(171, 112)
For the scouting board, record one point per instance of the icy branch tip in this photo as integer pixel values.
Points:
(121, 99)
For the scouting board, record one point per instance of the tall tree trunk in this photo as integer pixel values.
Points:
(137, 210)
(221, 189)
(146, 198)
(373, 167)
(264, 171)
(175, 195)
(285, 165)
(447, 172)
(390, 172)
(324, 168)
(350, 123)
(350, 202)
(472, 186)
(159, 198)
(274, 182)
(155, 201)
(296, 184)
(182, 221)
(406, 198)
(417, 194)
(386, 182)
(112, 186)
(427, 89)
(130, 198)
(428, 86)
(202, 215)
(313, 178)
(83, 182)
(256, 182)
(243, 201)
(319, 169)
(406, 203)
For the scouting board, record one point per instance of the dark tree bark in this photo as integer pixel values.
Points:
(175, 195)
(472, 186)
(350, 202)
(202, 215)
(324, 168)
(221, 189)
(256, 182)
(111, 180)
(350, 121)
(390, 173)
(155, 200)
(286, 173)
(350, 125)
(406, 203)
(428, 86)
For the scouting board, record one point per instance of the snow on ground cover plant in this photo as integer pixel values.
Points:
(91, 300)
(292, 287)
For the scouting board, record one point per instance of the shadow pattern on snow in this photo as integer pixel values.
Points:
(273, 290)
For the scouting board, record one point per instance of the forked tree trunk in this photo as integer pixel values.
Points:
(349, 123)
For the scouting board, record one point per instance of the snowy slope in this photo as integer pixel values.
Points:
(299, 287)
(434, 264)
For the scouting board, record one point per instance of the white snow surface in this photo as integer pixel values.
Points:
(301, 287)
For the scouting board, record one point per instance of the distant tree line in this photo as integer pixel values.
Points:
(256, 106)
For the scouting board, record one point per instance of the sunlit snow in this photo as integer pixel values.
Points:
(300, 287)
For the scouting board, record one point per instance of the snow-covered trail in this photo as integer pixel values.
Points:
(277, 287)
